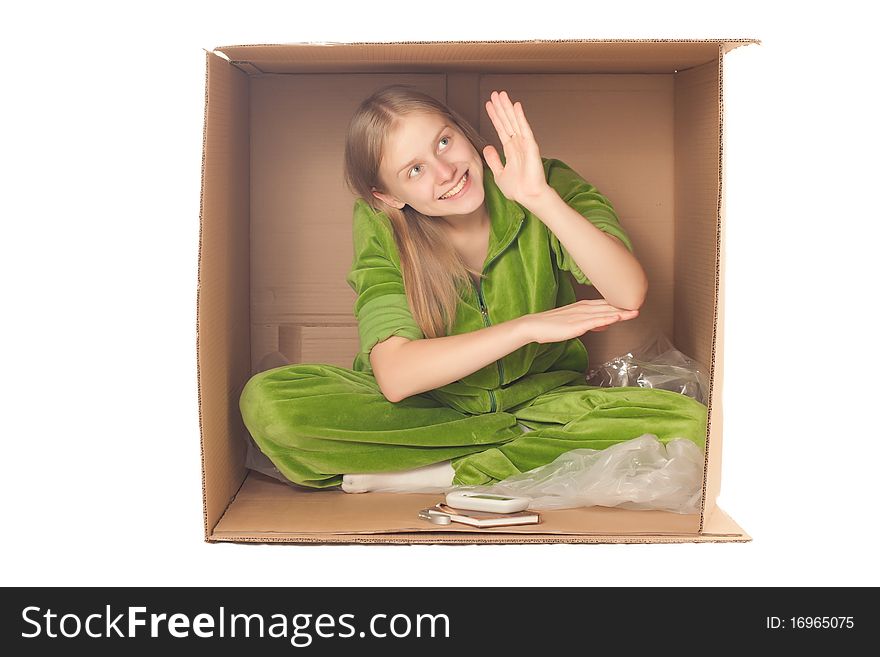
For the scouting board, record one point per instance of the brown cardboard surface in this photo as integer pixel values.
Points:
(464, 538)
(319, 343)
(718, 524)
(712, 478)
(266, 510)
(268, 505)
(535, 56)
(222, 323)
(698, 245)
(696, 210)
(276, 243)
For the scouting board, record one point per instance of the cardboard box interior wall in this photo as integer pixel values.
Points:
(640, 119)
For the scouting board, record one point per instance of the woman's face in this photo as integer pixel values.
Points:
(425, 158)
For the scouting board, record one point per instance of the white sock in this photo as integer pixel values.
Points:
(432, 478)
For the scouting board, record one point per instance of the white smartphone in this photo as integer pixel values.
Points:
(476, 501)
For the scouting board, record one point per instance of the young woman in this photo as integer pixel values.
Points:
(470, 361)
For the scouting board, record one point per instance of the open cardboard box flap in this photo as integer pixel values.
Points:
(641, 119)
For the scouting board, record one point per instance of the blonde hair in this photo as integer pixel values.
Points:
(433, 272)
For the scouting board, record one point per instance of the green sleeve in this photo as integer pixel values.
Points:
(587, 201)
(375, 276)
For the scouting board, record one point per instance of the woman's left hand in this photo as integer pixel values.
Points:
(521, 178)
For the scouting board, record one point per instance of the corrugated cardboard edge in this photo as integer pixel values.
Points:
(726, 44)
(498, 539)
(712, 467)
(207, 529)
(717, 336)
(247, 56)
(473, 538)
(219, 486)
(731, 44)
(720, 528)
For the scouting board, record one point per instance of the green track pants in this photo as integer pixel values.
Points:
(316, 422)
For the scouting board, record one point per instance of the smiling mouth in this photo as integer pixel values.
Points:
(457, 189)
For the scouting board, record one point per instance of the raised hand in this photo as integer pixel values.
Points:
(521, 177)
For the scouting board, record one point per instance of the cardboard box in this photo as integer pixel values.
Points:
(640, 119)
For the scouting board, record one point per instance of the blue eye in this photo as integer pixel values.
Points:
(442, 139)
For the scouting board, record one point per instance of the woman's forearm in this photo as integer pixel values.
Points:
(611, 268)
(417, 366)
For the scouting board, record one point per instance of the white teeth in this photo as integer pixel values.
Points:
(455, 190)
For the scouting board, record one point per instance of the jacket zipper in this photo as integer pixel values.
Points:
(498, 362)
(484, 311)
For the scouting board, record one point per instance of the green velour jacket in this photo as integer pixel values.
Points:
(524, 273)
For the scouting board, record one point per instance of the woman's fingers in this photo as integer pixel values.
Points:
(516, 118)
(605, 319)
(595, 302)
(509, 113)
(601, 304)
(496, 121)
(603, 316)
(524, 126)
(599, 300)
(594, 322)
(506, 128)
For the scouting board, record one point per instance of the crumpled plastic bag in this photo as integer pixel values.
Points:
(641, 473)
(655, 364)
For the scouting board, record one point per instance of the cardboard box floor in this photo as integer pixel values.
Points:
(640, 119)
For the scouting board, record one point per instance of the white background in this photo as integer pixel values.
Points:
(102, 110)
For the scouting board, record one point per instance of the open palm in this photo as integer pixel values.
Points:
(521, 177)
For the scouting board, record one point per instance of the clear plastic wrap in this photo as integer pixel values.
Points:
(655, 364)
(641, 473)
